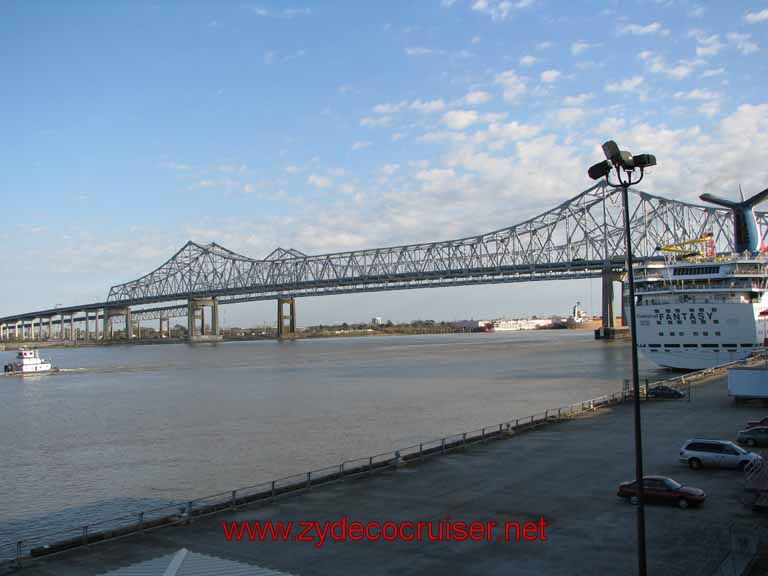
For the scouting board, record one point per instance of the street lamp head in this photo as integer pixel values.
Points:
(619, 158)
(644, 160)
(599, 170)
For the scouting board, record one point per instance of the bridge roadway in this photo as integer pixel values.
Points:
(581, 238)
(566, 472)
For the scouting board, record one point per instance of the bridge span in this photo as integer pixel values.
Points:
(581, 238)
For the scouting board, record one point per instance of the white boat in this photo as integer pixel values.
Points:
(504, 325)
(28, 362)
(697, 310)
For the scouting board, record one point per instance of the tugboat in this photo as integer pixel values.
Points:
(28, 362)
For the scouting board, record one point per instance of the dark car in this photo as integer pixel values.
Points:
(663, 490)
(664, 392)
(753, 423)
(755, 436)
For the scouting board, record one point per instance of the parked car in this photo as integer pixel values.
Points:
(663, 490)
(756, 436)
(664, 392)
(715, 454)
(753, 423)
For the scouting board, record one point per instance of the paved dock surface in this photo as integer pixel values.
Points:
(568, 473)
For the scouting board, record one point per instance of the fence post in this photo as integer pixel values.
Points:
(189, 512)
(141, 520)
(442, 446)
(482, 435)
(309, 480)
(234, 499)
(464, 440)
(370, 465)
(341, 471)
(273, 490)
(85, 534)
(421, 452)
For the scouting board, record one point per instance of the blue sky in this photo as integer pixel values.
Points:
(129, 128)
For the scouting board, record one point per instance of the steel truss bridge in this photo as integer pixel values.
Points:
(581, 238)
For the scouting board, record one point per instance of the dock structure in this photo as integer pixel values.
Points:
(566, 474)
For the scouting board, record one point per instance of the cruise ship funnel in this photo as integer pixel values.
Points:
(746, 233)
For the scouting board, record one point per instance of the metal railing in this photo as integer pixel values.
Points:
(272, 490)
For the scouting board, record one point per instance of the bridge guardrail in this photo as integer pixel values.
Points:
(269, 491)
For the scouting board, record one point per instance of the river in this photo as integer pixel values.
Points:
(133, 426)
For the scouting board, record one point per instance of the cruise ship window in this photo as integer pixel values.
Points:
(715, 321)
(695, 333)
(706, 333)
(661, 333)
(717, 333)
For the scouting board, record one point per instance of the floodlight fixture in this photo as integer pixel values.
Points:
(644, 160)
(611, 151)
(600, 170)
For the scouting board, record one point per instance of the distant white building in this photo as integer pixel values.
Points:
(377, 321)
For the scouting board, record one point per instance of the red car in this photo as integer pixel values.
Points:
(663, 490)
(763, 422)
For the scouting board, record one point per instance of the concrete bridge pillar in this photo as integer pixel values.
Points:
(72, 335)
(50, 327)
(128, 324)
(284, 331)
(609, 315)
(96, 325)
(87, 325)
(215, 318)
(195, 304)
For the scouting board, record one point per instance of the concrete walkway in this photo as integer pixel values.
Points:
(567, 473)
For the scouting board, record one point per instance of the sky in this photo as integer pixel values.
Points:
(129, 128)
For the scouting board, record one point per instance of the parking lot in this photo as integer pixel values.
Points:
(568, 473)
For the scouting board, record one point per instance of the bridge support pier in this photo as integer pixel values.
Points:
(609, 330)
(195, 304)
(284, 331)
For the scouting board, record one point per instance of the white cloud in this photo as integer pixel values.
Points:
(543, 45)
(423, 51)
(476, 97)
(570, 115)
(319, 181)
(460, 119)
(389, 108)
(389, 169)
(286, 13)
(578, 100)
(360, 144)
(629, 85)
(499, 9)
(656, 64)
(708, 44)
(647, 30)
(475, 40)
(713, 72)
(743, 43)
(427, 106)
(549, 76)
(447, 3)
(514, 86)
(755, 17)
(610, 125)
(528, 60)
(373, 122)
(579, 47)
(710, 101)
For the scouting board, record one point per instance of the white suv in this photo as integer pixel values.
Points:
(715, 454)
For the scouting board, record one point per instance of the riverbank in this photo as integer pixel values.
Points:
(567, 474)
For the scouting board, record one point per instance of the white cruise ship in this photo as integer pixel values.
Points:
(701, 309)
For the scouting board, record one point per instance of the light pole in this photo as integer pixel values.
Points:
(622, 161)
